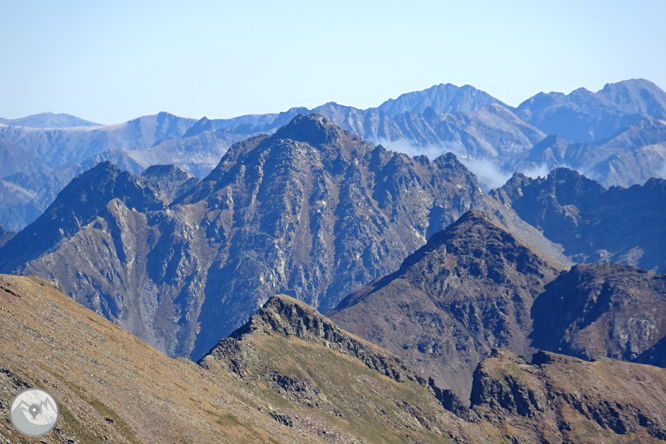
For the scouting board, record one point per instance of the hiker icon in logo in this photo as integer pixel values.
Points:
(34, 412)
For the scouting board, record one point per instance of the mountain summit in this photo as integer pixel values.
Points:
(442, 98)
(312, 211)
(469, 289)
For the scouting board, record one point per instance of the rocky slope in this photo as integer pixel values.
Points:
(312, 211)
(469, 289)
(289, 348)
(291, 376)
(591, 223)
(110, 386)
(560, 399)
(602, 310)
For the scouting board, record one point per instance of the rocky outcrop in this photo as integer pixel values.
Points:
(287, 317)
(294, 350)
(601, 310)
(591, 223)
(563, 399)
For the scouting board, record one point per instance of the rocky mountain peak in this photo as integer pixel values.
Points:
(636, 96)
(476, 234)
(167, 181)
(443, 98)
(562, 187)
(287, 317)
(466, 291)
(86, 196)
(201, 126)
(313, 129)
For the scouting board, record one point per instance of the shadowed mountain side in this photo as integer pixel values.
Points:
(470, 288)
(601, 310)
(656, 355)
(591, 223)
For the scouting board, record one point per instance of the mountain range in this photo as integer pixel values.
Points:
(453, 314)
(614, 136)
(312, 211)
(290, 375)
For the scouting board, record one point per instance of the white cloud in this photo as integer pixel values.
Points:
(489, 175)
(537, 171)
(431, 151)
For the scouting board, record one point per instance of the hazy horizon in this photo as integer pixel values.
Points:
(109, 63)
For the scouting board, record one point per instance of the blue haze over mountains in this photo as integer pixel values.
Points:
(305, 203)
(613, 136)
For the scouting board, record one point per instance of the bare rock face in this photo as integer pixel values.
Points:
(469, 289)
(593, 224)
(312, 211)
(601, 310)
(563, 399)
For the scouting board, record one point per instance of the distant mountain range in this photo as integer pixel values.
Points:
(614, 136)
(48, 120)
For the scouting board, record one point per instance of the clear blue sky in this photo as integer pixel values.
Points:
(116, 60)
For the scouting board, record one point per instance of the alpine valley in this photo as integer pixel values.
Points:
(440, 268)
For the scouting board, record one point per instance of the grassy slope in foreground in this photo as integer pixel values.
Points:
(113, 387)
